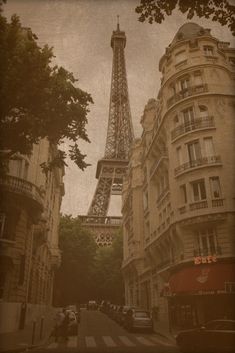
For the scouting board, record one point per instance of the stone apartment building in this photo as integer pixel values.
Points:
(179, 195)
(29, 253)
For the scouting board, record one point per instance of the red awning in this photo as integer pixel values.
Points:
(202, 278)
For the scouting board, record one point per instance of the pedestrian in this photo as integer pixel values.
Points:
(59, 319)
(65, 325)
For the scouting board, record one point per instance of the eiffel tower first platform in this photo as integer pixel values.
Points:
(111, 168)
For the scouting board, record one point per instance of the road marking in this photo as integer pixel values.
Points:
(157, 340)
(144, 341)
(126, 341)
(109, 341)
(53, 345)
(90, 341)
(72, 342)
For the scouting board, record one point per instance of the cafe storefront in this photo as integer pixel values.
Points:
(198, 294)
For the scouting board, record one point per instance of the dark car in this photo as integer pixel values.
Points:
(216, 336)
(138, 319)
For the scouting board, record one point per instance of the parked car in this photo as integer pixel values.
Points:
(216, 336)
(138, 319)
(92, 305)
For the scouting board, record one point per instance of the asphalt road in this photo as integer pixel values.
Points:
(97, 333)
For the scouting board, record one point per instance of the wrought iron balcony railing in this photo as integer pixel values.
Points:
(198, 123)
(198, 205)
(197, 163)
(187, 92)
(22, 187)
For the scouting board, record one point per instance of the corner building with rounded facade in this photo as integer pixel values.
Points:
(179, 195)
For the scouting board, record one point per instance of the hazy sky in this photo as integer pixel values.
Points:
(80, 33)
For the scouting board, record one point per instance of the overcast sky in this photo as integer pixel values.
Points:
(80, 33)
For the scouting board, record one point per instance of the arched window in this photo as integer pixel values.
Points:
(203, 111)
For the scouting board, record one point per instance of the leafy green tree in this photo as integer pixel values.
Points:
(73, 282)
(217, 10)
(107, 275)
(37, 99)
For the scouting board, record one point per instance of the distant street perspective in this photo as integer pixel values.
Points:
(149, 266)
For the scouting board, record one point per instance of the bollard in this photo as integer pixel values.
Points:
(41, 327)
(33, 333)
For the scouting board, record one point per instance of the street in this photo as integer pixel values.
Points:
(99, 334)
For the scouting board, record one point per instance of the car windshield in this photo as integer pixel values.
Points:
(141, 314)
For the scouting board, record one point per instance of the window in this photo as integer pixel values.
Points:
(184, 84)
(203, 111)
(194, 151)
(199, 190)
(2, 223)
(208, 50)
(180, 57)
(207, 241)
(22, 270)
(179, 155)
(209, 147)
(26, 169)
(183, 193)
(145, 200)
(232, 60)
(188, 116)
(215, 187)
(197, 78)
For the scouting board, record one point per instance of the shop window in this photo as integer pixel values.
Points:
(198, 190)
(209, 147)
(194, 151)
(215, 187)
(183, 194)
(207, 241)
(208, 50)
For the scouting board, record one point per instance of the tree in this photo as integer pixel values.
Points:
(217, 10)
(37, 100)
(107, 275)
(73, 281)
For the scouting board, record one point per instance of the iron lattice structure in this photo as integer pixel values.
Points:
(111, 168)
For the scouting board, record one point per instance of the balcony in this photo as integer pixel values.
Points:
(190, 91)
(198, 205)
(198, 123)
(23, 188)
(204, 161)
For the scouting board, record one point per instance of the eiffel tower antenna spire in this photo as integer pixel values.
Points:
(112, 167)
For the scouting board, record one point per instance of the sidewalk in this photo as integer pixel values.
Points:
(163, 331)
(23, 339)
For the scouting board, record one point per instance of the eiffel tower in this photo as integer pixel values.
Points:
(111, 168)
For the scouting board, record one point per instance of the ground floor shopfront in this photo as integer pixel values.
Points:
(200, 294)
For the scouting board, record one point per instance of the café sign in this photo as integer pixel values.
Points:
(205, 259)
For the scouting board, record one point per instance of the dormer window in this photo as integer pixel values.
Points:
(208, 50)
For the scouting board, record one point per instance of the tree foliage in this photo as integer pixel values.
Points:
(37, 99)
(73, 282)
(217, 10)
(87, 272)
(108, 280)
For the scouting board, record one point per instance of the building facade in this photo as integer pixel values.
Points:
(179, 196)
(29, 214)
